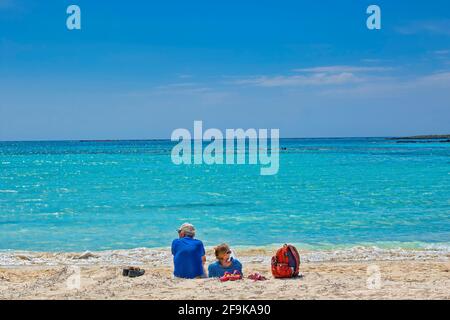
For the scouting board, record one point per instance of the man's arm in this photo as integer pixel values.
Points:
(203, 266)
(203, 253)
(173, 247)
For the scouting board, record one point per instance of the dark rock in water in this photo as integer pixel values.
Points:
(400, 141)
(86, 255)
(23, 257)
(425, 137)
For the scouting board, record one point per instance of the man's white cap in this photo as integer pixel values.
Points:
(187, 228)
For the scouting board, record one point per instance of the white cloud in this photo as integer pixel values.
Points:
(343, 69)
(442, 52)
(379, 87)
(181, 88)
(184, 76)
(439, 78)
(300, 80)
(324, 81)
(435, 27)
(316, 76)
(185, 90)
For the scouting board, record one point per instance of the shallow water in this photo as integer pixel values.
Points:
(329, 193)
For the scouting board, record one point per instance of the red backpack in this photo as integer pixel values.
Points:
(286, 262)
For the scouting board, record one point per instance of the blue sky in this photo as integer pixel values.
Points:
(140, 69)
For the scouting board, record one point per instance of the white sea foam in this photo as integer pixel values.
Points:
(9, 191)
(163, 257)
(215, 194)
(376, 253)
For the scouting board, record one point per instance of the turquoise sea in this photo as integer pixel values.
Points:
(75, 195)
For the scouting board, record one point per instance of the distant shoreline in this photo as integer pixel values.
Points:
(418, 137)
(440, 138)
(424, 137)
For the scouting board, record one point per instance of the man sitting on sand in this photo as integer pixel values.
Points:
(225, 262)
(188, 254)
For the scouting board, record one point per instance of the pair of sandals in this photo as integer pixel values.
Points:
(237, 276)
(228, 276)
(133, 272)
(257, 277)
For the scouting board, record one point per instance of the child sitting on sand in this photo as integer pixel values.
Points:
(225, 262)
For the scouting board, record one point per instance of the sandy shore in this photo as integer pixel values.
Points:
(357, 273)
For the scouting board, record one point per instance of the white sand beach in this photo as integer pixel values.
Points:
(342, 274)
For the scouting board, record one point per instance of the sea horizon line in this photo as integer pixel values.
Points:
(431, 136)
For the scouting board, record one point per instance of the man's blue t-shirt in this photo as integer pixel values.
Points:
(216, 270)
(187, 257)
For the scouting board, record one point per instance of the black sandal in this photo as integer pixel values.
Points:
(133, 272)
